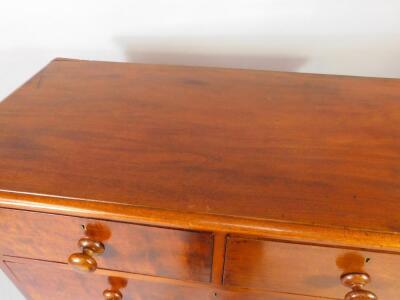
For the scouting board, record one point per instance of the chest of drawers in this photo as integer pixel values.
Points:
(161, 182)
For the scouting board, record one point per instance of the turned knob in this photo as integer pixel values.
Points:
(112, 295)
(84, 260)
(357, 281)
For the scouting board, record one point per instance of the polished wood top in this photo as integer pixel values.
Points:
(302, 148)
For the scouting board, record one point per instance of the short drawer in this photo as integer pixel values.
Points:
(307, 269)
(164, 252)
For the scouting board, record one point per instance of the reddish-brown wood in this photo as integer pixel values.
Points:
(161, 163)
(53, 281)
(132, 248)
(307, 269)
(218, 257)
(269, 145)
(203, 222)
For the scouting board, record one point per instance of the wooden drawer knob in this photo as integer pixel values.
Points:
(112, 295)
(357, 281)
(84, 261)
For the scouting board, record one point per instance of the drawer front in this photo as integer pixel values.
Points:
(40, 280)
(132, 248)
(307, 269)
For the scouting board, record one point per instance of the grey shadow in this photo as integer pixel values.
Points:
(184, 51)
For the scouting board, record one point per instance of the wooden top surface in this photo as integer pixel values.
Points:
(303, 148)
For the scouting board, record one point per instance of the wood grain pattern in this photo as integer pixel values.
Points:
(133, 248)
(253, 144)
(329, 235)
(307, 269)
(194, 154)
(44, 281)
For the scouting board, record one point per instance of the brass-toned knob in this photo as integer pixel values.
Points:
(357, 281)
(360, 295)
(112, 295)
(84, 261)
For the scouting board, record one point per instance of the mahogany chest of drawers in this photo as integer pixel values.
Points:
(162, 182)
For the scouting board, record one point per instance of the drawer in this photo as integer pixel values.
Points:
(171, 253)
(307, 269)
(51, 281)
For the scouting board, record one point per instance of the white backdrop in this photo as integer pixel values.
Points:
(354, 37)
